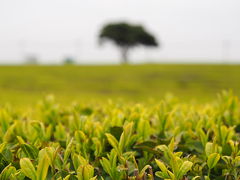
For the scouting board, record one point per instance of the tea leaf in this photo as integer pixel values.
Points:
(213, 160)
(184, 168)
(28, 168)
(42, 168)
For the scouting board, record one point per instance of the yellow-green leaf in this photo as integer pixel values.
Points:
(42, 168)
(161, 165)
(112, 140)
(213, 160)
(184, 168)
(28, 168)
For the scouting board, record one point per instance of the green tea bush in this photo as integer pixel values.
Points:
(168, 140)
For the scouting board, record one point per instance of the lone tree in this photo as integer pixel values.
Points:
(126, 36)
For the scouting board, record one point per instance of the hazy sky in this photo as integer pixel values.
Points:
(189, 30)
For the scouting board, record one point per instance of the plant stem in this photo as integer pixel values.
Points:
(209, 170)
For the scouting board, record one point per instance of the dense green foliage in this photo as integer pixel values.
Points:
(22, 85)
(127, 36)
(170, 140)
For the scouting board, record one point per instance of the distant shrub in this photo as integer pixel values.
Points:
(69, 61)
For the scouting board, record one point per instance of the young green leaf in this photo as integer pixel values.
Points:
(184, 168)
(28, 168)
(85, 172)
(213, 160)
(67, 177)
(42, 168)
(112, 140)
(161, 165)
(7, 172)
(106, 165)
(68, 151)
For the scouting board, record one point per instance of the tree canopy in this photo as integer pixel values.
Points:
(127, 36)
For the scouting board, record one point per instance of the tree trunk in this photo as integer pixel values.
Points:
(124, 53)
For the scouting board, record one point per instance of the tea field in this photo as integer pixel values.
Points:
(122, 141)
(118, 123)
(24, 85)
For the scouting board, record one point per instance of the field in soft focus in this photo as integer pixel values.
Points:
(134, 136)
(27, 84)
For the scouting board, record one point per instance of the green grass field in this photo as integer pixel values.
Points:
(28, 84)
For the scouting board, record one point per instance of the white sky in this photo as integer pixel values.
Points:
(189, 30)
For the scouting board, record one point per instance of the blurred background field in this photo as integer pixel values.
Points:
(25, 85)
(90, 51)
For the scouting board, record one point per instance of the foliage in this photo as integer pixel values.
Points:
(126, 36)
(68, 61)
(170, 140)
